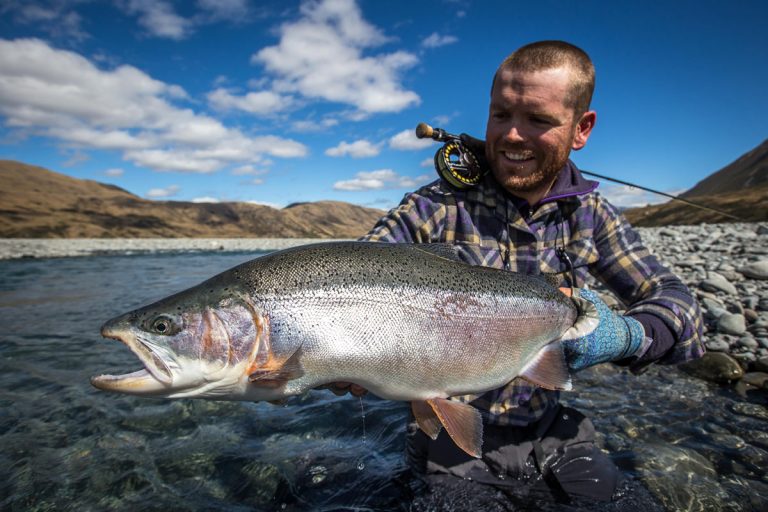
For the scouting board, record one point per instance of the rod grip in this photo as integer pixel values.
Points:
(424, 131)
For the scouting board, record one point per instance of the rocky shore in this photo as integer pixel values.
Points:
(13, 248)
(726, 266)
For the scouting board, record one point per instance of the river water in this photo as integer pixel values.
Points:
(682, 443)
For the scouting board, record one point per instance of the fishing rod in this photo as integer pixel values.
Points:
(457, 165)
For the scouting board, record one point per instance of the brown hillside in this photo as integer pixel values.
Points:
(750, 205)
(749, 171)
(38, 203)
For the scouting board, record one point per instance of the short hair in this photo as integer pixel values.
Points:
(554, 54)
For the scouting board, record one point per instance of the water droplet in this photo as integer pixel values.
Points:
(565, 416)
(360, 466)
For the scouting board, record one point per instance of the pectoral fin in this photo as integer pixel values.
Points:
(462, 422)
(549, 369)
(275, 374)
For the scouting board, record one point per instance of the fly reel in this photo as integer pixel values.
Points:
(454, 162)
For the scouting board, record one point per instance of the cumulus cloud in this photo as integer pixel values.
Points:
(159, 19)
(406, 140)
(357, 149)
(159, 193)
(625, 196)
(229, 10)
(380, 179)
(262, 102)
(435, 40)
(248, 170)
(114, 172)
(60, 94)
(55, 18)
(320, 56)
(206, 199)
(309, 125)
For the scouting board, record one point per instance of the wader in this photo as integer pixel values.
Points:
(557, 453)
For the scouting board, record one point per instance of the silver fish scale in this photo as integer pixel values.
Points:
(402, 322)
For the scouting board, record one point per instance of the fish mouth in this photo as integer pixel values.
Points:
(155, 377)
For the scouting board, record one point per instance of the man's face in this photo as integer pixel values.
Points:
(530, 130)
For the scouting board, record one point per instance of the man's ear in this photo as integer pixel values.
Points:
(583, 129)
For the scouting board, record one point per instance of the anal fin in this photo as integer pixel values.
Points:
(549, 369)
(462, 422)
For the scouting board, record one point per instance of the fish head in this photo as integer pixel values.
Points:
(197, 343)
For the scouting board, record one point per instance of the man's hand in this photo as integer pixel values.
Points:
(342, 388)
(616, 337)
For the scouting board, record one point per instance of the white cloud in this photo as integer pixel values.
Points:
(309, 125)
(157, 193)
(380, 179)
(358, 149)
(230, 10)
(262, 102)
(54, 18)
(320, 56)
(60, 94)
(159, 19)
(427, 162)
(248, 170)
(407, 140)
(630, 197)
(265, 203)
(114, 172)
(435, 40)
(205, 200)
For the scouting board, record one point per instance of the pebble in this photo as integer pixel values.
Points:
(748, 342)
(757, 270)
(717, 345)
(717, 283)
(732, 323)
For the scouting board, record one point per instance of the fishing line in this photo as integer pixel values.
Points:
(360, 463)
(457, 165)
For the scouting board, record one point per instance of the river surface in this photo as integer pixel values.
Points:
(682, 443)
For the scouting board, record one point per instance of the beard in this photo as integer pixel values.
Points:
(550, 166)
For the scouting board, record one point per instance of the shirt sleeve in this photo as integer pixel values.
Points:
(418, 219)
(655, 296)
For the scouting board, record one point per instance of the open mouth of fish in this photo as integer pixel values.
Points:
(155, 376)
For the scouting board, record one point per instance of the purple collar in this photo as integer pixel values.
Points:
(569, 183)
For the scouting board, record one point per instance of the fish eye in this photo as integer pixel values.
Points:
(163, 325)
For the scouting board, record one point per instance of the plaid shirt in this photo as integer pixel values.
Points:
(495, 229)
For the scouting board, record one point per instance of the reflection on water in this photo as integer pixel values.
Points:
(683, 444)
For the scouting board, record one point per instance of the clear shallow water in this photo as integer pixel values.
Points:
(682, 443)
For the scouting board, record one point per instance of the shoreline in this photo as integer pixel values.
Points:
(40, 248)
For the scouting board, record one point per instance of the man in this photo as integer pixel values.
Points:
(535, 213)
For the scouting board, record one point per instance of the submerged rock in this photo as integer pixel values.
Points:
(714, 367)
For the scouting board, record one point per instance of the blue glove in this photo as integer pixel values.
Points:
(615, 337)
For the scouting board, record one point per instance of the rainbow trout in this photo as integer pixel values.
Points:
(405, 321)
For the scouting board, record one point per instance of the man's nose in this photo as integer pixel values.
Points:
(514, 133)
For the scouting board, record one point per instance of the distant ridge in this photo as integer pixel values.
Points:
(749, 171)
(740, 188)
(39, 203)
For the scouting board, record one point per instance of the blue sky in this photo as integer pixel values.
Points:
(280, 102)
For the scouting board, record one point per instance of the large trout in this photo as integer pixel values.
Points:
(407, 322)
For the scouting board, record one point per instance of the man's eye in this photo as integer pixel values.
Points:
(499, 115)
(540, 120)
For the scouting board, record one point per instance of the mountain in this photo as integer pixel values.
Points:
(740, 188)
(39, 203)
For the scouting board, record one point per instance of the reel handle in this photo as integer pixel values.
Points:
(454, 162)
